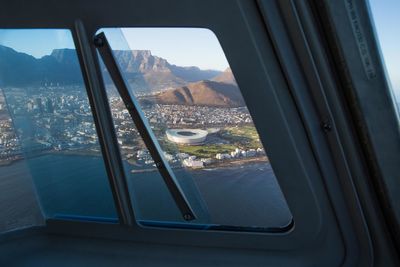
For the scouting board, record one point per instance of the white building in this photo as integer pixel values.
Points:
(168, 156)
(193, 163)
(221, 156)
(207, 161)
(236, 153)
(182, 155)
(260, 150)
(251, 153)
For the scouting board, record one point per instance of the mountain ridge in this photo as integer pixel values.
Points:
(144, 71)
(225, 77)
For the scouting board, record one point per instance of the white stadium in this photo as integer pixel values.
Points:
(187, 136)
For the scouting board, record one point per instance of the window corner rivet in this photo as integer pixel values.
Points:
(98, 42)
(188, 217)
(327, 127)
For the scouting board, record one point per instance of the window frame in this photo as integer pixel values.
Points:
(316, 235)
(310, 225)
(371, 102)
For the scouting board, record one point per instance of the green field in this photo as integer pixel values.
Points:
(207, 151)
(244, 137)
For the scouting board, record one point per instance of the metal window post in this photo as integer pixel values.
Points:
(105, 126)
(143, 127)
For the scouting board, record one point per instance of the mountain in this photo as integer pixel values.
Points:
(203, 93)
(193, 74)
(226, 77)
(148, 72)
(62, 66)
(18, 72)
(19, 69)
(144, 71)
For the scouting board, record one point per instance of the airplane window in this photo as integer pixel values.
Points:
(18, 203)
(386, 18)
(47, 131)
(190, 98)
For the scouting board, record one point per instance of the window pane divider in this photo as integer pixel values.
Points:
(143, 127)
(104, 125)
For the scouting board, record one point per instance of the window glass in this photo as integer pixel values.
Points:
(189, 95)
(18, 203)
(47, 133)
(386, 18)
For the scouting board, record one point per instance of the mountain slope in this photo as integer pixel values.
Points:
(148, 72)
(225, 77)
(21, 64)
(193, 74)
(203, 93)
(19, 69)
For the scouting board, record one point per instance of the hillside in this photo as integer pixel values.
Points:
(203, 93)
(225, 77)
(19, 69)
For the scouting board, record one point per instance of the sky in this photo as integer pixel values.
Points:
(180, 46)
(386, 15)
(37, 42)
(200, 47)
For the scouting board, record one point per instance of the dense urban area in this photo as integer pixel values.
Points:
(58, 119)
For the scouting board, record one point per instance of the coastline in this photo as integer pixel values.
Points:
(232, 163)
(9, 162)
(222, 164)
(36, 154)
(238, 162)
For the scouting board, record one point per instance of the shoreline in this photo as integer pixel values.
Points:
(140, 168)
(214, 166)
(9, 162)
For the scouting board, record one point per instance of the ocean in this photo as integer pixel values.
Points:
(71, 185)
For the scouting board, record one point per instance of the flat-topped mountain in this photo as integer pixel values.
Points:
(203, 93)
(151, 73)
(144, 71)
